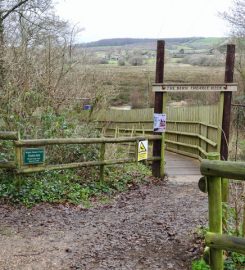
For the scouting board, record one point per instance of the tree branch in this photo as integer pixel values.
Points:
(13, 9)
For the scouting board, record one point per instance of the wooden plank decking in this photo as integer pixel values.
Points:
(181, 165)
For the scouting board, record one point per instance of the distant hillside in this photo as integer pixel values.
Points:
(131, 41)
(171, 43)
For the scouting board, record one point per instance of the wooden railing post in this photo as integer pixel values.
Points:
(18, 157)
(215, 214)
(102, 158)
(18, 163)
(136, 151)
(162, 162)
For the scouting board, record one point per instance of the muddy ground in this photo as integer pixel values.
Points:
(149, 227)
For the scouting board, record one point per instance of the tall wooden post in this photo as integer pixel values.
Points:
(229, 72)
(158, 105)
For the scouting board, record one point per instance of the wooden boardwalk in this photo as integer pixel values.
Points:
(181, 165)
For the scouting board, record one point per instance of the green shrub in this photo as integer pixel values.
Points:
(200, 265)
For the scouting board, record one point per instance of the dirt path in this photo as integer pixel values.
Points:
(146, 228)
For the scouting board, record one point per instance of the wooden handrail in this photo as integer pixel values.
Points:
(226, 169)
(57, 141)
(151, 121)
(210, 142)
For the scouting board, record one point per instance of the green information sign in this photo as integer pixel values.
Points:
(33, 156)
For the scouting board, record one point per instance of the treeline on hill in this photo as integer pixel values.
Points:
(135, 41)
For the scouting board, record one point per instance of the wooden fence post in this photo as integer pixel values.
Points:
(158, 105)
(18, 157)
(215, 214)
(102, 158)
(18, 163)
(136, 151)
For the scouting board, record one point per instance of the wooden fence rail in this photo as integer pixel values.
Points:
(19, 145)
(213, 169)
(8, 135)
(44, 142)
(226, 242)
(228, 169)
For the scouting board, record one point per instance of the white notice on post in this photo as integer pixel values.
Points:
(159, 122)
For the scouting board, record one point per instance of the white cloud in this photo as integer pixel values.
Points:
(146, 19)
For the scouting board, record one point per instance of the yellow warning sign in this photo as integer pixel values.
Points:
(142, 147)
(142, 150)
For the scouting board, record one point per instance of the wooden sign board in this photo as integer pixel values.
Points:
(33, 156)
(186, 87)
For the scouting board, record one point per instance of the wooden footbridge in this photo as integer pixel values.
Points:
(192, 132)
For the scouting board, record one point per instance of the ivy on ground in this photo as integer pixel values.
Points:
(68, 186)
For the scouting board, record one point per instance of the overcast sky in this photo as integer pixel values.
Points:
(145, 18)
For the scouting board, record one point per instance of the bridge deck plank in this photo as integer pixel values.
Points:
(181, 165)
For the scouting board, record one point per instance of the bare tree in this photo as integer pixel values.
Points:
(236, 18)
(33, 55)
(42, 71)
(6, 9)
(13, 13)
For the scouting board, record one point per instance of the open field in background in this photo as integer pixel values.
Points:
(129, 65)
(133, 83)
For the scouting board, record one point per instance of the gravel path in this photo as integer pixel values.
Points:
(150, 227)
